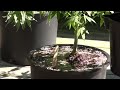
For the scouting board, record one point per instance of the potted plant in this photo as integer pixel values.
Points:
(113, 24)
(70, 61)
(24, 31)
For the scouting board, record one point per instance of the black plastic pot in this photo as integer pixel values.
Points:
(0, 31)
(113, 24)
(16, 45)
(38, 72)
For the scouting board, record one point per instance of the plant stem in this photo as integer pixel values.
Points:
(75, 42)
(54, 61)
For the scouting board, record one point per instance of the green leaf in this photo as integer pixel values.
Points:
(10, 20)
(51, 15)
(89, 12)
(30, 13)
(101, 21)
(81, 32)
(17, 25)
(73, 24)
(87, 32)
(69, 25)
(58, 14)
(84, 18)
(43, 13)
(89, 19)
(111, 11)
(83, 36)
(78, 32)
(23, 14)
(23, 26)
(15, 18)
(28, 23)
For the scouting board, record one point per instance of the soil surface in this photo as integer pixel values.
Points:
(84, 59)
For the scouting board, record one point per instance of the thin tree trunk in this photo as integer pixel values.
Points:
(75, 42)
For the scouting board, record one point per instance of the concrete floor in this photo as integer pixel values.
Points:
(9, 71)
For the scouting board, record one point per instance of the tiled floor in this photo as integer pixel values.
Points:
(9, 71)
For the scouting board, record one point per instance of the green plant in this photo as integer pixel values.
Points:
(75, 19)
(20, 18)
(78, 19)
(24, 18)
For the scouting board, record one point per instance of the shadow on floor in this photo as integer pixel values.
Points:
(110, 75)
(15, 73)
(25, 75)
